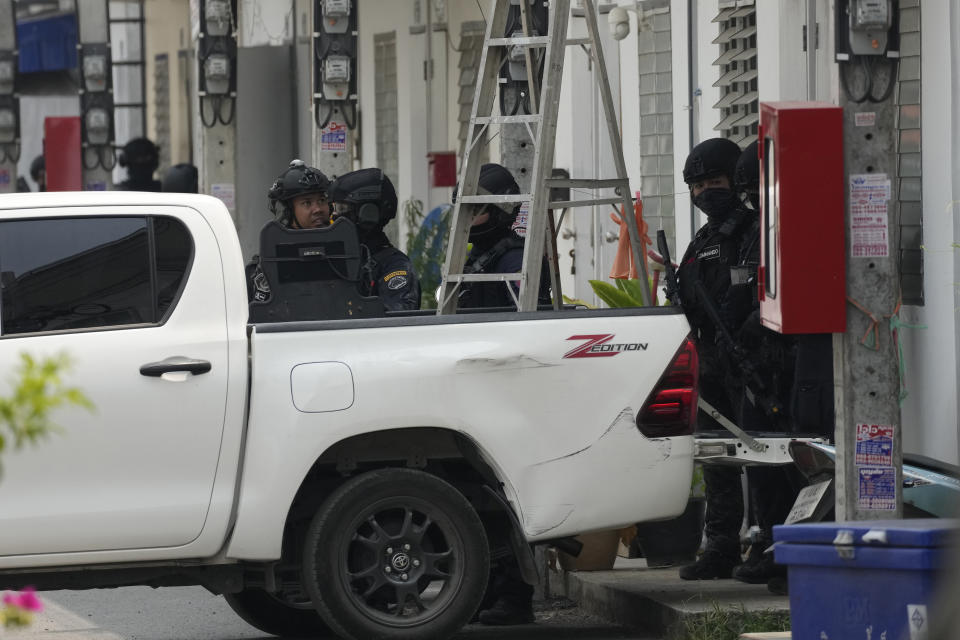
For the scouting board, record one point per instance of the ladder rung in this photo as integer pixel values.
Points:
(524, 41)
(568, 204)
(493, 199)
(484, 277)
(507, 119)
(596, 183)
(576, 41)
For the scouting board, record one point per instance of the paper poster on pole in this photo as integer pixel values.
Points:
(878, 488)
(226, 193)
(874, 445)
(520, 224)
(869, 198)
(334, 137)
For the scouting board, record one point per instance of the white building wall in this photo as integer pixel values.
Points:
(930, 413)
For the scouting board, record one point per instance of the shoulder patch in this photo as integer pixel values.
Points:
(390, 276)
(397, 282)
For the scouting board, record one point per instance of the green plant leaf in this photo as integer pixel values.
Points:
(611, 295)
(632, 288)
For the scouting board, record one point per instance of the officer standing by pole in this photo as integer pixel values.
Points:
(707, 266)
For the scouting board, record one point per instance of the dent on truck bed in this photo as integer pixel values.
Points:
(480, 365)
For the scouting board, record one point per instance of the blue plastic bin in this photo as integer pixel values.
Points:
(863, 580)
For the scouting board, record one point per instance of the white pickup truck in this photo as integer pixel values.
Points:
(332, 477)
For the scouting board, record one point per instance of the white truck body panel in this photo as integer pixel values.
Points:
(556, 429)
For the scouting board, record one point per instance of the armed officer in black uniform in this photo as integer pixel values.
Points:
(141, 158)
(729, 238)
(298, 200)
(497, 248)
(367, 198)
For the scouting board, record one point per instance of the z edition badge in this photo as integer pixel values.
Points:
(396, 280)
(599, 346)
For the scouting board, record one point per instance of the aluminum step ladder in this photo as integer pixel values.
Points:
(542, 128)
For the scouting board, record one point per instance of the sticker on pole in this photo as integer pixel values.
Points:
(874, 445)
(95, 185)
(333, 137)
(225, 192)
(869, 198)
(4, 177)
(878, 488)
(520, 224)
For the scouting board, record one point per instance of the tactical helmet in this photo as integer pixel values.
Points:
(181, 178)
(369, 195)
(711, 158)
(296, 180)
(140, 153)
(36, 167)
(495, 179)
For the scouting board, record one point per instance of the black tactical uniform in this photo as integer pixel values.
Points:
(367, 198)
(141, 158)
(298, 179)
(798, 370)
(726, 241)
(496, 247)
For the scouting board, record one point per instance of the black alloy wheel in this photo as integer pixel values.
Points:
(396, 553)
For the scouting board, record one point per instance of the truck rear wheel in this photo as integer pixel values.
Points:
(396, 553)
(271, 614)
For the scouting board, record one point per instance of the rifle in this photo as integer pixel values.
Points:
(672, 290)
(754, 384)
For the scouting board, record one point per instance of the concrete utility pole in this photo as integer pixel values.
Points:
(213, 25)
(9, 102)
(96, 95)
(866, 376)
(334, 70)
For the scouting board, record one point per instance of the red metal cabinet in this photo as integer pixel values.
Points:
(61, 153)
(802, 249)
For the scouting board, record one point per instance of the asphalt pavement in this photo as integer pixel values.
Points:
(192, 613)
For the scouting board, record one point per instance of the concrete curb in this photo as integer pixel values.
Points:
(655, 600)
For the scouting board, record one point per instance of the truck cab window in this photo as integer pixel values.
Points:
(60, 274)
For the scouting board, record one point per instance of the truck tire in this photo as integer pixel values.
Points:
(270, 614)
(396, 553)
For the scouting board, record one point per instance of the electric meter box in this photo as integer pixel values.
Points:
(802, 274)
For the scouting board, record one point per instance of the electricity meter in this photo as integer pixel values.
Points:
(97, 123)
(216, 74)
(217, 16)
(95, 72)
(7, 76)
(8, 126)
(336, 16)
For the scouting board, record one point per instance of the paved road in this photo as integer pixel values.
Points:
(192, 613)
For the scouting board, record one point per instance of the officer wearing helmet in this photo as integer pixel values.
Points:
(729, 239)
(38, 171)
(367, 198)
(141, 158)
(181, 178)
(496, 246)
(298, 200)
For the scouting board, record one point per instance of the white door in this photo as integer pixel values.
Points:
(115, 293)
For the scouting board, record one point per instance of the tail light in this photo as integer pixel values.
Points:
(671, 408)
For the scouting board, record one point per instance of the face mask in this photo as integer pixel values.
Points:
(716, 203)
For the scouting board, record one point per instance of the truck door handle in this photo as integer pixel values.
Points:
(175, 363)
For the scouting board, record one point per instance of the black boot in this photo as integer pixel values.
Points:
(507, 612)
(711, 565)
(759, 567)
